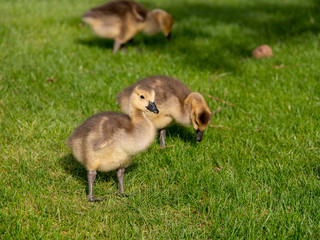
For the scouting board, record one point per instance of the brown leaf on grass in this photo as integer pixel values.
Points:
(52, 80)
(220, 100)
(217, 169)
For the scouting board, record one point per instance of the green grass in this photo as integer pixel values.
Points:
(267, 145)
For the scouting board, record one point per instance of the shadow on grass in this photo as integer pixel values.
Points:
(77, 171)
(94, 42)
(176, 132)
(137, 42)
(247, 27)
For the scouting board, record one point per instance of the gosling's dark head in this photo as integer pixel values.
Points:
(200, 121)
(200, 113)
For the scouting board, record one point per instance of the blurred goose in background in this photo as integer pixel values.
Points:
(107, 141)
(122, 20)
(175, 102)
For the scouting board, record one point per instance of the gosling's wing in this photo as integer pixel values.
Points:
(139, 11)
(100, 130)
(118, 8)
(166, 88)
(111, 125)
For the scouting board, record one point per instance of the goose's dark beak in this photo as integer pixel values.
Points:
(152, 107)
(199, 135)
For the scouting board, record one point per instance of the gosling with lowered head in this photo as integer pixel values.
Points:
(175, 102)
(122, 20)
(107, 141)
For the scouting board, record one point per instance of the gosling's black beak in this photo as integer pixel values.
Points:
(169, 36)
(199, 135)
(152, 107)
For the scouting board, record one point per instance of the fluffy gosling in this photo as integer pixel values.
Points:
(122, 20)
(108, 141)
(175, 102)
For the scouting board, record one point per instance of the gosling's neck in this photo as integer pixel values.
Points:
(151, 25)
(189, 104)
(182, 111)
(137, 115)
(143, 128)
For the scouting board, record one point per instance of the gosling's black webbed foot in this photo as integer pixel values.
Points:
(93, 198)
(122, 195)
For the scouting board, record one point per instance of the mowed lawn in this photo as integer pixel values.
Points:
(255, 175)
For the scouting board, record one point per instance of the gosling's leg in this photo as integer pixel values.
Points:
(120, 175)
(116, 46)
(91, 177)
(162, 137)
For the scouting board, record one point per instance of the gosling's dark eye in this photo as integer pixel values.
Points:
(141, 96)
